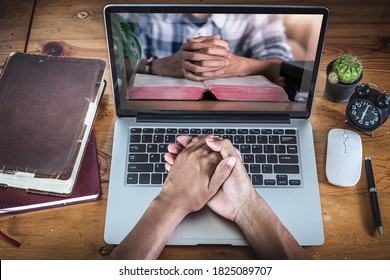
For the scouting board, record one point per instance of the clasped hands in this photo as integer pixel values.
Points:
(206, 170)
(200, 58)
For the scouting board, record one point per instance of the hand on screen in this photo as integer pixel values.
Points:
(198, 59)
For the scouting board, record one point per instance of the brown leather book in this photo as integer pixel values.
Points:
(47, 109)
(87, 188)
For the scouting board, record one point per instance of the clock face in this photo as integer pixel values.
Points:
(363, 114)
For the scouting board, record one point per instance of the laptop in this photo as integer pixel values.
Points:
(272, 131)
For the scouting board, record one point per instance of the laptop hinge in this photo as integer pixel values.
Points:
(202, 118)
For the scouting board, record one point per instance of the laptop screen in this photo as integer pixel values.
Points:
(214, 59)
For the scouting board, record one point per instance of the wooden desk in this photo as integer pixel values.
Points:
(76, 232)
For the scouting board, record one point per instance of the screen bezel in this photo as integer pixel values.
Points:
(213, 8)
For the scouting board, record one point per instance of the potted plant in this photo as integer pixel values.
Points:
(343, 75)
(125, 39)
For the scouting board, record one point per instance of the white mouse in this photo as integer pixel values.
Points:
(343, 157)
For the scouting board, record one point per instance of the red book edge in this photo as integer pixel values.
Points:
(87, 188)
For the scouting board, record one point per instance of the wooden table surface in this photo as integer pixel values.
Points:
(76, 232)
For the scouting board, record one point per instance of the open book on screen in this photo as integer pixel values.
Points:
(248, 88)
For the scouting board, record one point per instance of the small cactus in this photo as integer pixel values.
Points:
(333, 78)
(348, 68)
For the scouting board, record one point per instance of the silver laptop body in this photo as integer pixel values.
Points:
(297, 205)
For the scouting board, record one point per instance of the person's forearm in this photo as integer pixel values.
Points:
(148, 238)
(243, 66)
(265, 233)
(170, 66)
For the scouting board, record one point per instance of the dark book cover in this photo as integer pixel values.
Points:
(87, 188)
(47, 109)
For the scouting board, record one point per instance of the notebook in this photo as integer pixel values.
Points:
(274, 135)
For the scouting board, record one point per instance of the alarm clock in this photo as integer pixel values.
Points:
(367, 107)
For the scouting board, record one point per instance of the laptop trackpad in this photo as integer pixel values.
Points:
(205, 224)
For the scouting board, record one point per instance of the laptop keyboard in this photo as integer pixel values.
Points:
(270, 156)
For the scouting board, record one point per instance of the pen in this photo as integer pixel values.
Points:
(373, 195)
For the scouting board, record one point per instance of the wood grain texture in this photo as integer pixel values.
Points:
(76, 232)
(14, 26)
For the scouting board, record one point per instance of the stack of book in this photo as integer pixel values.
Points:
(47, 147)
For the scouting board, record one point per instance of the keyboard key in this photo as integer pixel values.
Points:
(239, 139)
(207, 131)
(158, 138)
(257, 149)
(159, 167)
(138, 148)
(159, 130)
(288, 139)
(249, 158)
(195, 131)
(132, 178)
(151, 148)
(278, 131)
(163, 148)
(147, 130)
(144, 178)
(254, 168)
(242, 131)
(266, 168)
(184, 131)
(260, 158)
(294, 182)
(138, 158)
(147, 138)
(140, 167)
(269, 149)
(266, 131)
(170, 138)
(272, 159)
(172, 130)
(154, 158)
(254, 131)
(281, 180)
(156, 178)
(250, 139)
(273, 139)
(257, 179)
(292, 149)
(135, 138)
(280, 149)
(261, 139)
(229, 137)
(288, 159)
(269, 182)
(290, 131)
(219, 131)
(231, 131)
(245, 149)
(136, 130)
(286, 169)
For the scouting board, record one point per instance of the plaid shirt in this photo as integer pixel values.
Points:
(252, 36)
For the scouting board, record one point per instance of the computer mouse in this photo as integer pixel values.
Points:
(343, 157)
